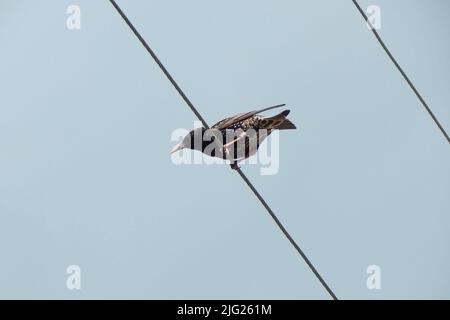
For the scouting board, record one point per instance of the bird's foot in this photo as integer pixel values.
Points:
(234, 166)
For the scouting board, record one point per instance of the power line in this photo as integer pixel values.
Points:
(286, 233)
(161, 66)
(413, 87)
(205, 124)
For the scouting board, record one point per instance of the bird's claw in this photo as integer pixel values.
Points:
(234, 166)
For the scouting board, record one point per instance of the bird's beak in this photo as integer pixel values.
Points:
(177, 148)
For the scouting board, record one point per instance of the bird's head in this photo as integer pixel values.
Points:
(193, 140)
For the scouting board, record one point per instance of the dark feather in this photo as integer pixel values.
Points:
(228, 122)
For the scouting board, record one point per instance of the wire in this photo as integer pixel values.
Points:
(286, 233)
(401, 71)
(161, 66)
(243, 176)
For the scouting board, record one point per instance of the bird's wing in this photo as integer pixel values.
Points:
(226, 123)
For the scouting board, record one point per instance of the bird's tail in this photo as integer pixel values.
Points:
(280, 121)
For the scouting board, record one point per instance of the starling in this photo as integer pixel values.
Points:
(235, 138)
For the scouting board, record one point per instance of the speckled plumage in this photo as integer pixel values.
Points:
(237, 137)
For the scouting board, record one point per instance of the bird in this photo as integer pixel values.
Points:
(235, 138)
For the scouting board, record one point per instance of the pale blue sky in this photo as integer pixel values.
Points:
(85, 176)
